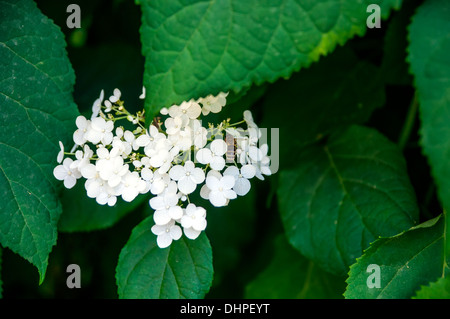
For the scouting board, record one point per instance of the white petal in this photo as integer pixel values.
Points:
(217, 199)
(186, 185)
(204, 156)
(157, 203)
(175, 212)
(212, 182)
(175, 232)
(191, 233)
(161, 217)
(242, 186)
(255, 153)
(227, 182)
(112, 201)
(69, 181)
(217, 163)
(164, 240)
(143, 140)
(248, 171)
(146, 174)
(117, 93)
(158, 229)
(218, 147)
(88, 171)
(177, 172)
(231, 171)
(197, 175)
(204, 192)
(81, 122)
(230, 194)
(200, 224)
(60, 172)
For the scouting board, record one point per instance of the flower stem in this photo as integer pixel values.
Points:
(409, 123)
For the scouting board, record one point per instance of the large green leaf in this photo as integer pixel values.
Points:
(338, 91)
(183, 270)
(343, 195)
(436, 290)
(406, 262)
(36, 81)
(294, 276)
(198, 47)
(430, 64)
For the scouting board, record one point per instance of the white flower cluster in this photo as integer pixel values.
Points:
(170, 159)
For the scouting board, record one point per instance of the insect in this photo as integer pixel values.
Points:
(231, 147)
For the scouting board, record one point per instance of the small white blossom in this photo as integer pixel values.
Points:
(242, 184)
(65, 173)
(193, 221)
(214, 155)
(220, 190)
(187, 176)
(166, 233)
(83, 127)
(116, 96)
(212, 103)
(100, 130)
(97, 105)
(166, 207)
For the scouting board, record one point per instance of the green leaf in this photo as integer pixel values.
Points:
(439, 289)
(194, 48)
(294, 277)
(430, 65)
(183, 270)
(81, 213)
(343, 195)
(406, 262)
(338, 91)
(36, 81)
(1, 282)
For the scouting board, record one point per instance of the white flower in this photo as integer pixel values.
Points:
(83, 126)
(212, 103)
(214, 155)
(193, 221)
(204, 191)
(163, 157)
(65, 173)
(159, 182)
(97, 105)
(100, 130)
(262, 164)
(173, 125)
(142, 96)
(107, 195)
(166, 233)
(188, 176)
(242, 185)
(114, 98)
(150, 140)
(131, 186)
(60, 156)
(248, 118)
(112, 170)
(186, 111)
(220, 190)
(183, 139)
(82, 158)
(166, 207)
(200, 134)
